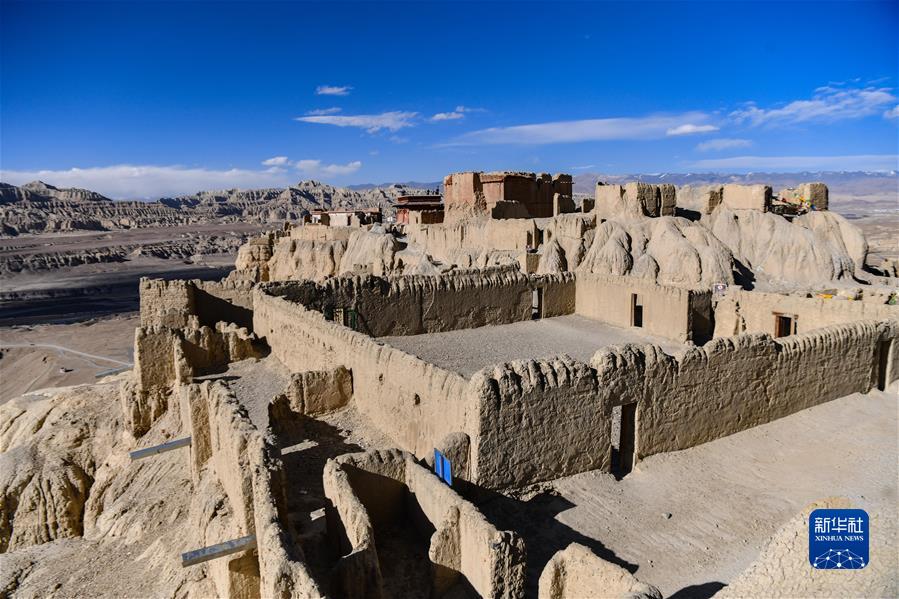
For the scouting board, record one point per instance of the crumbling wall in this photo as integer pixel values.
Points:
(735, 383)
(414, 402)
(504, 194)
(283, 572)
(634, 199)
(357, 573)
(369, 489)
(144, 397)
(165, 357)
(180, 303)
(678, 313)
(444, 240)
(166, 303)
(747, 197)
(531, 422)
(413, 305)
(754, 312)
(576, 572)
(223, 443)
(319, 391)
(230, 433)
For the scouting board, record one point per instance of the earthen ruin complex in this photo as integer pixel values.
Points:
(519, 338)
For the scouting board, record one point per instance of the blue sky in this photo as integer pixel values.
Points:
(147, 99)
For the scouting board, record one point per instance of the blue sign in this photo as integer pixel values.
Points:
(838, 539)
(442, 468)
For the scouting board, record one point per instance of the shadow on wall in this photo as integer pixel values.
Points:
(211, 310)
(535, 521)
(699, 591)
(306, 444)
(743, 276)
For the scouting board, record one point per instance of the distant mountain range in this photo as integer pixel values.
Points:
(38, 207)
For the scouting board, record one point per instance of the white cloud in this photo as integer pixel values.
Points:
(323, 111)
(828, 104)
(333, 90)
(690, 129)
(862, 162)
(276, 161)
(126, 181)
(723, 143)
(392, 121)
(650, 127)
(892, 113)
(447, 116)
(455, 114)
(315, 168)
(583, 167)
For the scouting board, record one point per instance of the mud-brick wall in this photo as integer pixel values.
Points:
(754, 312)
(372, 489)
(230, 433)
(414, 305)
(537, 420)
(176, 303)
(415, 403)
(225, 441)
(283, 571)
(677, 313)
(735, 383)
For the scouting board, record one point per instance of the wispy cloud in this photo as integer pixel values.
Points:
(323, 111)
(582, 167)
(723, 143)
(455, 114)
(333, 90)
(863, 162)
(649, 127)
(275, 161)
(828, 104)
(690, 129)
(126, 181)
(892, 113)
(447, 116)
(315, 168)
(391, 121)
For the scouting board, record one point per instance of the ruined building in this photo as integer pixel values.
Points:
(465, 361)
(506, 195)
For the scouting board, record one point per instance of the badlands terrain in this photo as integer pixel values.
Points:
(69, 254)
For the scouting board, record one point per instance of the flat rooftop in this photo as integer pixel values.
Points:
(467, 351)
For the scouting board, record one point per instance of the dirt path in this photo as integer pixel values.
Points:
(64, 349)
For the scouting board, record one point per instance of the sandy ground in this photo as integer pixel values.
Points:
(32, 367)
(469, 350)
(690, 521)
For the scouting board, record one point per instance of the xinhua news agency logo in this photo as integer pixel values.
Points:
(838, 539)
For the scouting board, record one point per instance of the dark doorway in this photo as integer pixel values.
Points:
(883, 363)
(623, 459)
(636, 311)
(784, 325)
(537, 304)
